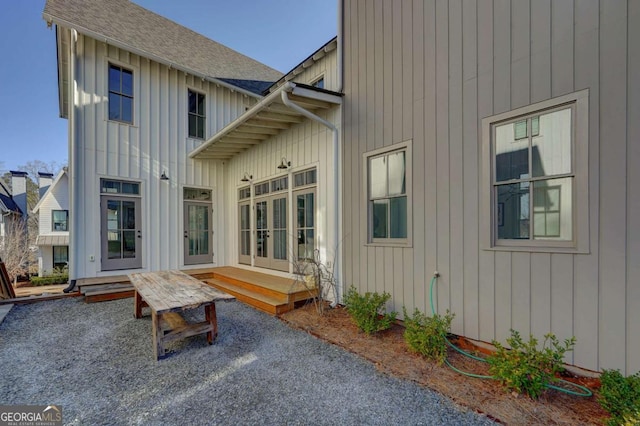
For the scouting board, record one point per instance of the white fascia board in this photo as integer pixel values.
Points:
(113, 42)
(49, 190)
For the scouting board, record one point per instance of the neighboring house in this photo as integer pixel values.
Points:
(53, 214)
(509, 132)
(13, 203)
(489, 141)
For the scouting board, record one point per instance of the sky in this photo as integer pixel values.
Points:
(279, 33)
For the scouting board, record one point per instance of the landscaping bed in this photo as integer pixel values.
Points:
(388, 351)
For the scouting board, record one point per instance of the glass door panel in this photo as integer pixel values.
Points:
(279, 232)
(197, 233)
(121, 233)
(245, 233)
(305, 224)
(262, 234)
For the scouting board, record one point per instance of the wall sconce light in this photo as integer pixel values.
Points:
(246, 178)
(284, 164)
(164, 176)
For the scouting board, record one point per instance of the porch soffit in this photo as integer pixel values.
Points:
(266, 119)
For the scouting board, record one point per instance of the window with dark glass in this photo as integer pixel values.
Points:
(388, 196)
(534, 177)
(59, 220)
(60, 257)
(319, 83)
(120, 94)
(197, 115)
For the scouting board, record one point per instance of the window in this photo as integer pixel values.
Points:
(388, 195)
(244, 193)
(59, 220)
(308, 177)
(197, 115)
(119, 187)
(120, 94)
(536, 175)
(60, 256)
(319, 83)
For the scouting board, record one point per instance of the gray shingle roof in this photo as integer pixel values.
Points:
(7, 200)
(135, 26)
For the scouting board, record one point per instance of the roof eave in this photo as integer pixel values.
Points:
(113, 42)
(319, 98)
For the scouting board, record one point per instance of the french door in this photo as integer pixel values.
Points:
(121, 232)
(271, 249)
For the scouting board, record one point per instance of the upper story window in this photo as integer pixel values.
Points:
(197, 115)
(388, 195)
(59, 220)
(120, 94)
(538, 183)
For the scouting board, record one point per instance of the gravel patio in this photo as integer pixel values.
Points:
(95, 361)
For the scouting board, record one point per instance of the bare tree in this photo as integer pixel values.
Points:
(14, 248)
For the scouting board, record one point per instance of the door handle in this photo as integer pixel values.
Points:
(139, 235)
(186, 234)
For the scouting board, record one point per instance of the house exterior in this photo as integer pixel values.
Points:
(489, 141)
(13, 204)
(175, 143)
(53, 222)
(508, 133)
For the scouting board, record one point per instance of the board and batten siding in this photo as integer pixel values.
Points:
(430, 71)
(305, 145)
(156, 142)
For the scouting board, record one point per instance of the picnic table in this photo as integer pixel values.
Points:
(167, 293)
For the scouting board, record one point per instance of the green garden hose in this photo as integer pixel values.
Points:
(582, 391)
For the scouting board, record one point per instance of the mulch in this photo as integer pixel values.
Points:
(388, 351)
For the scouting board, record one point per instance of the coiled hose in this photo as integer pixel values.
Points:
(582, 391)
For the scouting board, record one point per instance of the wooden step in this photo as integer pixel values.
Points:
(115, 279)
(105, 292)
(269, 304)
(268, 285)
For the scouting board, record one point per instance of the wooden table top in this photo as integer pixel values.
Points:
(171, 291)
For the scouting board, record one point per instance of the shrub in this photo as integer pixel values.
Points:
(427, 335)
(50, 280)
(525, 368)
(368, 311)
(620, 397)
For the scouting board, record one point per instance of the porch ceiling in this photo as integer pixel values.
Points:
(264, 120)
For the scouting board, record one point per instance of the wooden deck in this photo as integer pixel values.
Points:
(268, 293)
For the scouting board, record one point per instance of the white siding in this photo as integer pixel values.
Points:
(430, 71)
(56, 199)
(325, 67)
(156, 142)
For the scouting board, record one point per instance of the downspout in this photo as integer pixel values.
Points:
(288, 87)
(73, 259)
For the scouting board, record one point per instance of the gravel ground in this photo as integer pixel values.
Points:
(96, 362)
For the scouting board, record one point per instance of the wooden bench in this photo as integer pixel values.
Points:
(167, 293)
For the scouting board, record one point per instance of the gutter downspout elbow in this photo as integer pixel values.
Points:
(288, 87)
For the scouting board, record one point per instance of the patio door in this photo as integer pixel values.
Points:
(121, 233)
(271, 233)
(198, 233)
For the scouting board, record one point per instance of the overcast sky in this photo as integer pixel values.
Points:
(279, 33)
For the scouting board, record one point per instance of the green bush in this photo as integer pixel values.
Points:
(525, 368)
(50, 280)
(368, 311)
(427, 335)
(620, 396)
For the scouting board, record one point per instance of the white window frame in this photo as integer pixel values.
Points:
(367, 225)
(579, 102)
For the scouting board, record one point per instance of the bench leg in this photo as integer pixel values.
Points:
(158, 334)
(137, 305)
(210, 315)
